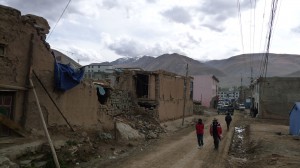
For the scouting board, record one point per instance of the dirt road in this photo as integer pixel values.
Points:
(180, 150)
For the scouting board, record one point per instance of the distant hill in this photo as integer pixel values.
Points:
(228, 71)
(237, 67)
(175, 63)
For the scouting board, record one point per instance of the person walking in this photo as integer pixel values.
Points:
(200, 132)
(228, 120)
(216, 131)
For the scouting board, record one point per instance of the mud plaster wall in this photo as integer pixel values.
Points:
(278, 96)
(79, 105)
(171, 96)
(151, 87)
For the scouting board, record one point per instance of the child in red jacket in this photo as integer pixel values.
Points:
(200, 132)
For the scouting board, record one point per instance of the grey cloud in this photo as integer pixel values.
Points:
(110, 4)
(50, 10)
(296, 29)
(221, 10)
(192, 39)
(132, 48)
(151, 1)
(214, 27)
(178, 14)
(79, 55)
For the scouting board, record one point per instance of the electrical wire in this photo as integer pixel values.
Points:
(48, 37)
(241, 27)
(269, 35)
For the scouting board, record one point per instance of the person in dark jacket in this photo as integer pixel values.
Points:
(200, 132)
(216, 131)
(228, 120)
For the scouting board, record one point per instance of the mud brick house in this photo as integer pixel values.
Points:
(160, 91)
(274, 97)
(25, 55)
(23, 50)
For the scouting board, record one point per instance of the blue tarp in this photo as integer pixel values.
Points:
(66, 77)
(295, 119)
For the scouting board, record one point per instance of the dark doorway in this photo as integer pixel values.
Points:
(6, 109)
(142, 82)
(103, 94)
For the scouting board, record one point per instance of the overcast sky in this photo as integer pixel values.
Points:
(104, 30)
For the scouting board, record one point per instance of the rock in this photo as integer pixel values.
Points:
(6, 163)
(128, 133)
(105, 136)
(25, 162)
(152, 135)
(84, 134)
(40, 164)
(4, 160)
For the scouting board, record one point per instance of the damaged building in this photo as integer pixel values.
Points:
(163, 94)
(26, 57)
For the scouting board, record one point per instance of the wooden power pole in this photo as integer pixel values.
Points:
(184, 92)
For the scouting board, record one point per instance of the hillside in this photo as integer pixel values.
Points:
(237, 67)
(170, 62)
(228, 71)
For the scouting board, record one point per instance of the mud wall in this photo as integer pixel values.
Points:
(171, 98)
(24, 39)
(277, 97)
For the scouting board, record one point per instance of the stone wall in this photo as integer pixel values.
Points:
(119, 102)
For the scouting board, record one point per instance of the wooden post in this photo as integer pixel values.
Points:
(43, 86)
(184, 93)
(44, 126)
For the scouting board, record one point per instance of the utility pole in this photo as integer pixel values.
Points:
(241, 90)
(184, 92)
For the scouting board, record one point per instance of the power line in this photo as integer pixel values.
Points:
(269, 35)
(241, 27)
(58, 20)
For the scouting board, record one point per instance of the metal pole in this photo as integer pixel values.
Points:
(44, 126)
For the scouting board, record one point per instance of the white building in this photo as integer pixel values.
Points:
(229, 94)
(98, 71)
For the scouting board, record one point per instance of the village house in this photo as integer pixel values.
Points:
(25, 55)
(161, 92)
(205, 89)
(88, 104)
(274, 97)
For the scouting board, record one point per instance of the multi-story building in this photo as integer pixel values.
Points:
(98, 71)
(205, 89)
(228, 94)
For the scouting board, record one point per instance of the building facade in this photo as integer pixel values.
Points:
(161, 92)
(229, 94)
(205, 89)
(98, 71)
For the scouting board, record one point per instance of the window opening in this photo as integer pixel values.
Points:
(6, 109)
(142, 82)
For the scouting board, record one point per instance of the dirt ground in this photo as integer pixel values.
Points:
(250, 142)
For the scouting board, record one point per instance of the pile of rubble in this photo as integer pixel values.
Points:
(131, 131)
